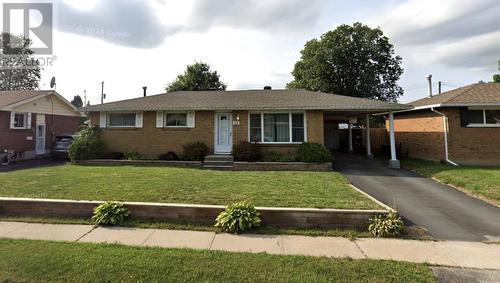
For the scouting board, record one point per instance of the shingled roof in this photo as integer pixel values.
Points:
(247, 100)
(474, 94)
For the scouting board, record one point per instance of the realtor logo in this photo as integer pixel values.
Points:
(30, 20)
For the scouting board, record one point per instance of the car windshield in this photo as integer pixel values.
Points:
(64, 139)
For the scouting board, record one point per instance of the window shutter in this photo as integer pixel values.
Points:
(102, 120)
(190, 119)
(159, 119)
(138, 120)
(12, 116)
(28, 121)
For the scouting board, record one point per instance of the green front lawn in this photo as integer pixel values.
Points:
(181, 185)
(40, 261)
(480, 181)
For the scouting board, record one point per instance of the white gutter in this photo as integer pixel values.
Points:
(445, 124)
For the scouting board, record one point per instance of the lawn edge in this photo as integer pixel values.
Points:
(458, 188)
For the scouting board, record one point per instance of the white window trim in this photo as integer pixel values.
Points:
(108, 120)
(26, 117)
(483, 124)
(289, 125)
(174, 112)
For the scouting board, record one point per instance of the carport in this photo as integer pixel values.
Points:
(332, 119)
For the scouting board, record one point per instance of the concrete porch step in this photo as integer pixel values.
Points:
(218, 162)
(219, 157)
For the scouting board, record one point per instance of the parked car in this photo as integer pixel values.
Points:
(61, 145)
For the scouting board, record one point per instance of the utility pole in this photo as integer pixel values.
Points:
(84, 97)
(102, 92)
(439, 87)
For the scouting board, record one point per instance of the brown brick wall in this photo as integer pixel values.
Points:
(150, 140)
(17, 139)
(471, 146)
(420, 134)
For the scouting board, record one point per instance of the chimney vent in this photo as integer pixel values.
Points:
(144, 88)
(267, 87)
(429, 79)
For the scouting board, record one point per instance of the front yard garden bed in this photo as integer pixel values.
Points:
(271, 216)
(481, 182)
(184, 185)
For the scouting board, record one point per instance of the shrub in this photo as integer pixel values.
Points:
(131, 155)
(313, 152)
(390, 225)
(238, 217)
(110, 213)
(246, 151)
(168, 156)
(195, 151)
(87, 145)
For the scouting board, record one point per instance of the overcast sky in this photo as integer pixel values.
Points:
(252, 43)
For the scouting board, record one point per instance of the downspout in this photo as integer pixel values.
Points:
(445, 124)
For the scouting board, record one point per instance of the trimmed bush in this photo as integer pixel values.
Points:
(195, 151)
(313, 153)
(246, 151)
(131, 155)
(168, 156)
(390, 225)
(238, 217)
(110, 213)
(87, 145)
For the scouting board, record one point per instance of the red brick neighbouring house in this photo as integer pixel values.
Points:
(29, 121)
(460, 126)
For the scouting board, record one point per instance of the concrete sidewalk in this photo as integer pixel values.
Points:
(449, 253)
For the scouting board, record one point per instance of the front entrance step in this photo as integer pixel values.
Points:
(218, 162)
(219, 157)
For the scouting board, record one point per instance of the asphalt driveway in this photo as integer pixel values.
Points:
(448, 214)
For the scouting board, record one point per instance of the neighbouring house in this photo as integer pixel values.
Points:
(278, 120)
(29, 121)
(460, 126)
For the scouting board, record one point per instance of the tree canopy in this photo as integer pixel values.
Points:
(18, 70)
(350, 60)
(496, 77)
(77, 101)
(197, 76)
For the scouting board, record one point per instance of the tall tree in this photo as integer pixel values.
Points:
(197, 76)
(350, 60)
(77, 101)
(18, 69)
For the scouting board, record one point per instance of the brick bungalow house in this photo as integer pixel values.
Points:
(278, 120)
(461, 126)
(29, 121)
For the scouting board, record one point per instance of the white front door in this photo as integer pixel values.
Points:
(40, 139)
(223, 133)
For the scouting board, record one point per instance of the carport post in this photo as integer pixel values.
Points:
(394, 162)
(369, 154)
(349, 126)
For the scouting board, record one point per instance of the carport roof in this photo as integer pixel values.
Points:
(248, 100)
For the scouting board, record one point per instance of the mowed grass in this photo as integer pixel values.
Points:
(181, 185)
(41, 261)
(480, 181)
